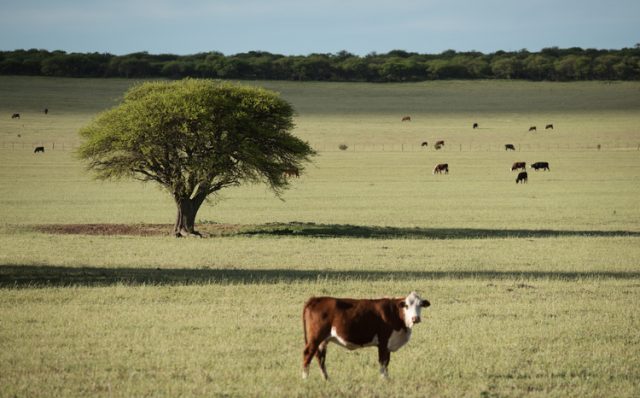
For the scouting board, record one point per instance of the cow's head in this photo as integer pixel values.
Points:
(412, 306)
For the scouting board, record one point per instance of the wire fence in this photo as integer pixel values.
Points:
(448, 147)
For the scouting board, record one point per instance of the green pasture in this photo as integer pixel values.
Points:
(534, 287)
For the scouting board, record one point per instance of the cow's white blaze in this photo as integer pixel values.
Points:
(412, 310)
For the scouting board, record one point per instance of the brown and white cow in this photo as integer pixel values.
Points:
(356, 323)
(519, 165)
(442, 167)
(292, 172)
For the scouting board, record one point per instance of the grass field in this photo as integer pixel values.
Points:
(534, 288)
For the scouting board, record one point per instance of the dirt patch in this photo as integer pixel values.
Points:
(133, 229)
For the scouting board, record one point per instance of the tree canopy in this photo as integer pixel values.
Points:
(554, 64)
(195, 137)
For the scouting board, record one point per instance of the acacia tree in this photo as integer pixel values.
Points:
(195, 137)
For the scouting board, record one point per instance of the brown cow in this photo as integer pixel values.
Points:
(522, 177)
(440, 143)
(440, 168)
(406, 118)
(519, 165)
(533, 128)
(384, 323)
(292, 172)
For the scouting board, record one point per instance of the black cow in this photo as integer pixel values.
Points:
(540, 165)
(424, 144)
(533, 128)
(475, 125)
(46, 111)
(548, 126)
(509, 147)
(522, 177)
(441, 168)
(39, 149)
(15, 116)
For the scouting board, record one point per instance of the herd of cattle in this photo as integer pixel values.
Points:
(38, 149)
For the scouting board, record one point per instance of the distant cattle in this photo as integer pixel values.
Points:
(424, 144)
(441, 143)
(440, 168)
(292, 172)
(15, 116)
(540, 165)
(518, 165)
(46, 111)
(406, 118)
(509, 147)
(522, 177)
(548, 126)
(355, 323)
(39, 149)
(437, 147)
(533, 128)
(475, 125)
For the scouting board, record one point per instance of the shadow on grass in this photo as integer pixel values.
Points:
(36, 276)
(377, 232)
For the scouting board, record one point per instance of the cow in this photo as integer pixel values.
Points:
(548, 126)
(46, 111)
(15, 116)
(356, 323)
(424, 144)
(533, 128)
(509, 147)
(475, 125)
(406, 118)
(440, 168)
(519, 165)
(437, 147)
(540, 165)
(39, 149)
(441, 143)
(292, 172)
(522, 177)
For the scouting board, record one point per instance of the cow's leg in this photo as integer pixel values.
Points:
(309, 351)
(384, 356)
(321, 354)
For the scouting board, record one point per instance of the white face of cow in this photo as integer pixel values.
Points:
(412, 305)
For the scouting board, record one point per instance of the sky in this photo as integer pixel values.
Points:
(301, 27)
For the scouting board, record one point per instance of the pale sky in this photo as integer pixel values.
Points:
(298, 27)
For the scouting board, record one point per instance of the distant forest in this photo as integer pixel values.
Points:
(552, 64)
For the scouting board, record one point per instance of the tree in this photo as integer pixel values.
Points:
(194, 138)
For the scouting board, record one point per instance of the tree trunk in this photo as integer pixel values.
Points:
(186, 218)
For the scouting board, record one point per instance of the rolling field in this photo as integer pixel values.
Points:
(534, 287)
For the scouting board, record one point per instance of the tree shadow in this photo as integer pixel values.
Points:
(24, 276)
(378, 232)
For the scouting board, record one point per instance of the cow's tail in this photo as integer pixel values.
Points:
(304, 323)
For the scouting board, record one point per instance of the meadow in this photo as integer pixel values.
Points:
(534, 287)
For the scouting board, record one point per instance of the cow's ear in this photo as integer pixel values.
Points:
(425, 303)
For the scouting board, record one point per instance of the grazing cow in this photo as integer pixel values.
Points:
(519, 165)
(522, 177)
(437, 147)
(46, 111)
(440, 168)
(292, 172)
(424, 144)
(540, 165)
(15, 116)
(406, 118)
(548, 126)
(39, 149)
(441, 143)
(509, 147)
(475, 125)
(384, 323)
(533, 128)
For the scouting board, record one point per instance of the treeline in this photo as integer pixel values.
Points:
(552, 64)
